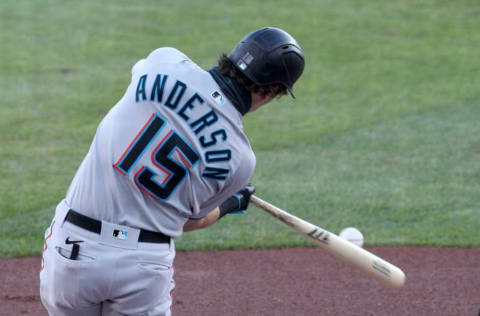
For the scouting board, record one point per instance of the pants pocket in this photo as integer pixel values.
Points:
(75, 254)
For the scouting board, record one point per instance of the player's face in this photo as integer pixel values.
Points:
(258, 101)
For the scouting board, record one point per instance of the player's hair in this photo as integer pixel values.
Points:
(228, 68)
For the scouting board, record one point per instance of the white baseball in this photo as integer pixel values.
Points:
(353, 235)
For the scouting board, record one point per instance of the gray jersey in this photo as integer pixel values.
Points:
(171, 149)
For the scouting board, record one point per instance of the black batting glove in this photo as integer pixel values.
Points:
(238, 202)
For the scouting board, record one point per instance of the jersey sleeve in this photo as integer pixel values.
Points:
(166, 55)
(138, 66)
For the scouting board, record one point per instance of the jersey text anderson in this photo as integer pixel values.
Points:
(171, 100)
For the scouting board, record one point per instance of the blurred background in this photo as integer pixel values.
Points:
(383, 134)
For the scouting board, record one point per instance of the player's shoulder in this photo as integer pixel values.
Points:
(167, 55)
(165, 58)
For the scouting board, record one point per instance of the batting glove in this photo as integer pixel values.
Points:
(238, 202)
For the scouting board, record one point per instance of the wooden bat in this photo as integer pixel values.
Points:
(373, 266)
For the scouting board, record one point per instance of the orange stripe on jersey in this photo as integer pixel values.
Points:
(131, 144)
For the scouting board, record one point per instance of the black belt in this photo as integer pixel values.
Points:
(95, 226)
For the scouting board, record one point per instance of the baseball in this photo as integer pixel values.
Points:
(353, 235)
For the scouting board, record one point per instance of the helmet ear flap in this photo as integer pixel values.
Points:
(291, 60)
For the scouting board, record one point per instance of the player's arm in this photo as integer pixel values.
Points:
(236, 203)
(206, 221)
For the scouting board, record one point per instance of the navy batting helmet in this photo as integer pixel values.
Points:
(269, 56)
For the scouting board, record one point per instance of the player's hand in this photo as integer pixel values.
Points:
(238, 202)
(243, 197)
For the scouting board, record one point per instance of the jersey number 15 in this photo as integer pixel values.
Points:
(161, 159)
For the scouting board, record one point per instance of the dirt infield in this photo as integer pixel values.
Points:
(291, 282)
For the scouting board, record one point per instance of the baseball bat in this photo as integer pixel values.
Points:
(367, 262)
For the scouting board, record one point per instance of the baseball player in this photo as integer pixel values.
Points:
(171, 156)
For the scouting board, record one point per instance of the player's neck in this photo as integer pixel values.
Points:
(237, 94)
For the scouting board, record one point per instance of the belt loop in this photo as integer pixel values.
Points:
(61, 212)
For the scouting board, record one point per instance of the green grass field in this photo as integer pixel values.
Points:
(383, 134)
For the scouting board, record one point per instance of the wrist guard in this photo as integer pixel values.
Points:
(237, 202)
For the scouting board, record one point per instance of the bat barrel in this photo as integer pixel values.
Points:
(367, 262)
(374, 266)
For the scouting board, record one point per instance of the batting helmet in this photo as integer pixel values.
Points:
(269, 56)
